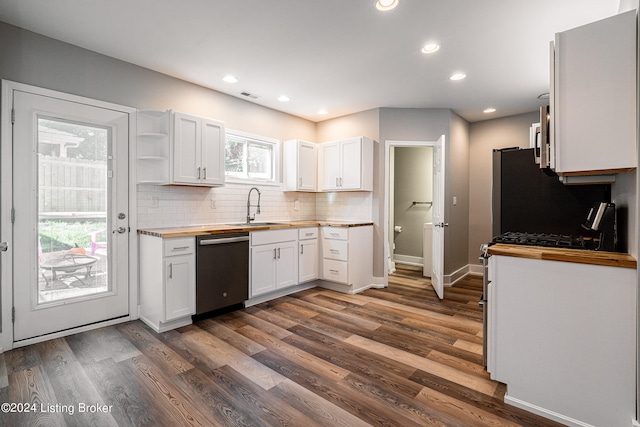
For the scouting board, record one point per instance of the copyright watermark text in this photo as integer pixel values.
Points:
(76, 408)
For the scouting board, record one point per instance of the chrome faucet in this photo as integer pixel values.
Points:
(249, 219)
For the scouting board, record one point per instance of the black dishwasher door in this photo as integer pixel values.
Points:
(222, 271)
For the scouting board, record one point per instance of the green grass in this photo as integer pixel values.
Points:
(58, 235)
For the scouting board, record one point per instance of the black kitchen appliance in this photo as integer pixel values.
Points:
(529, 200)
(601, 221)
(222, 271)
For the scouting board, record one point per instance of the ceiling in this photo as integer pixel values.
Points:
(343, 56)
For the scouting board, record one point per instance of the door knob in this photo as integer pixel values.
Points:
(4, 246)
(441, 224)
(120, 230)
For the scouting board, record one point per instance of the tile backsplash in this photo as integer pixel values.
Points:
(170, 206)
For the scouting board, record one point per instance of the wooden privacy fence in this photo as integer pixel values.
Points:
(71, 185)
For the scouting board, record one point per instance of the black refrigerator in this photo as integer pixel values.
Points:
(532, 200)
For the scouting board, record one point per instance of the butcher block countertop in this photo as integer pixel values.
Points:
(613, 259)
(197, 230)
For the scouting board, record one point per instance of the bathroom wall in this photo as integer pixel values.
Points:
(413, 181)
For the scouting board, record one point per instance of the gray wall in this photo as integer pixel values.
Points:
(33, 59)
(428, 124)
(486, 136)
(413, 181)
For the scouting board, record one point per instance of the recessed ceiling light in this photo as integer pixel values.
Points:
(385, 5)
(323, 111)
(457, 76)
(230, 79)
(489, 110)
(283, 98)
(430, 48)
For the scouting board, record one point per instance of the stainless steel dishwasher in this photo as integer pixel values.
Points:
(222, 271)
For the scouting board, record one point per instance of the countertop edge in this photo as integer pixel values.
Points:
(611, 259)
(197, 230)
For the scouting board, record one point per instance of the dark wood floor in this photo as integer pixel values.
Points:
(392, 357)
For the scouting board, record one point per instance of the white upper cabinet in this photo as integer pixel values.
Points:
(346, 165)
(594, 97)
(300, 165)
(198, 148)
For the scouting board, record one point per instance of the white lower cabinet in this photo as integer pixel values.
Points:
(347, 255)
(308, 254)
(274, 260)
(167, 295)
(562, 337)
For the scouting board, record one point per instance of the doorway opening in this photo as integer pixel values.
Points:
(411, 200)
(415, 208)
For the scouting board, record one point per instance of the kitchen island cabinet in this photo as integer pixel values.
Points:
(562, 336)
(167, 294)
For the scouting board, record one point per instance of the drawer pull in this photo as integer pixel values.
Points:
(334, 251)
(333, 271)
(180, 248)
(308, 234)
(335, 234)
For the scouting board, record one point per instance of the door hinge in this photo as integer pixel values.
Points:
(13, 215)
(13, 116)
(13, 314)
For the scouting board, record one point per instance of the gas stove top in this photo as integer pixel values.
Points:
(542, 239)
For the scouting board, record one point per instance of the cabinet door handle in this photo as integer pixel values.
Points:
(337, 185)
(198, 173)
(300, 181)
(274, 253)
(204, 173)
(278, 253)
(171, 271)
(301, 249)
(340, 182)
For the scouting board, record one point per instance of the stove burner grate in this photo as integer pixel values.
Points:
(541, 239)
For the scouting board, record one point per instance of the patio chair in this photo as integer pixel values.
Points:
(98, 242)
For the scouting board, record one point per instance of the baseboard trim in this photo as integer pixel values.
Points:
(451, 279)
(408, 259)
(476, 269)
(546, 413)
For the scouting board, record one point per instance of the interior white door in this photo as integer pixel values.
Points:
(438, 217)
(71, 230)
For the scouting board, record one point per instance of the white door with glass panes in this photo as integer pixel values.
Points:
(70, 194)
